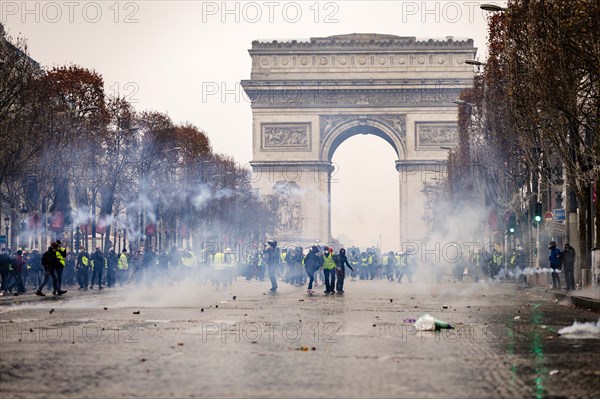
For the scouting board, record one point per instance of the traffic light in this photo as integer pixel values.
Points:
(537, 215)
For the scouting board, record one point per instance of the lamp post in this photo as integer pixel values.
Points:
(77, 238)
(23, 211)
(6, 223)
(119, 238)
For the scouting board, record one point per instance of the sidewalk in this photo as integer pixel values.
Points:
(586, 300)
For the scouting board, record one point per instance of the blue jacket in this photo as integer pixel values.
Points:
(554, 257)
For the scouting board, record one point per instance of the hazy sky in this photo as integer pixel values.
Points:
(186, 58)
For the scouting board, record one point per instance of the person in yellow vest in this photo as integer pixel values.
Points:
(190, 265)
(230, 266)
(329, 270)
(219, 269)
(61, 255)
(123, 268)
(83, 268)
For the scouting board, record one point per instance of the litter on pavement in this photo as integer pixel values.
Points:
(429, 323)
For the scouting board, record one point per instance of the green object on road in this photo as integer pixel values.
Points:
(430, 323)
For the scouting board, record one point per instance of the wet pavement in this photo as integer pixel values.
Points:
(193, 340)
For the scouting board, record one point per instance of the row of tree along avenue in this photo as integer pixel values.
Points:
(529, 130)
(86, 167)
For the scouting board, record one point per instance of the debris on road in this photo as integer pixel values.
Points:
(411, 321)
(517, 318)
(554, 372)
(137, 312)
(234, 297)
(105, 308)
(51, 311)
(429, 323)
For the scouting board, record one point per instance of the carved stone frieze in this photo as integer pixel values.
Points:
(436, 134)
(276, 136)
(343, 97)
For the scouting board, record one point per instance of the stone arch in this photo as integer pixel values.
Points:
(353, 126)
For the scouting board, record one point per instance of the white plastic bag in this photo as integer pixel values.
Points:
(425, 323)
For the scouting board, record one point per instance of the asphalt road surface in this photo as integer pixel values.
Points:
(193, 340)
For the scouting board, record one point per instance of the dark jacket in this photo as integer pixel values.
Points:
(554, 257)
(341, 260)
(98, 259)
(569, 257)
(50, 261)
(312, 261)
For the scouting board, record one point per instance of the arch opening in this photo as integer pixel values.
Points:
(364, 193)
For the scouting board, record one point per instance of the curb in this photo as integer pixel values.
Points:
(577, 300)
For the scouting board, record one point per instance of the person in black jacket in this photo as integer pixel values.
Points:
(568, 255)
(341, 261)
(312, 263)
(50, 263)
(97, 268)
(4, 270)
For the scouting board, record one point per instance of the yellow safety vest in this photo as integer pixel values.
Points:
(60, 257)
(219, 263)
(328, 262)
(384, 260)
(123, 265)
(85, 260)
(365, 261)
(189, 261)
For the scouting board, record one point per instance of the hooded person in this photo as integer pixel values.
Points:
(341, 261)
(555, 258)
(312, 263)
(50, 263)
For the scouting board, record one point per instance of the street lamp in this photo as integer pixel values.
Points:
(23, 211)
(462, 102)
(492, 7)
(77, 238)
(119, 238)
(474, 62)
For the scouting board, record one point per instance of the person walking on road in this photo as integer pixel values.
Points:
(329, 270)
(83, 268)
(341, 261)
(50, 263)
(61, 255)
(312, 263)
(569, 266)
(17, 269)
(273, 258)
(97, 268)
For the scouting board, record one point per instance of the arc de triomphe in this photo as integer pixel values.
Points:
(309, 96)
